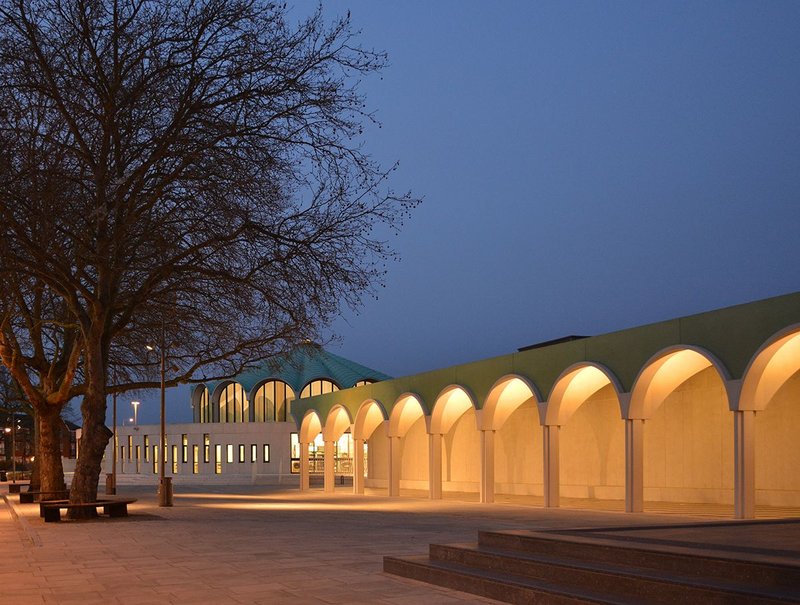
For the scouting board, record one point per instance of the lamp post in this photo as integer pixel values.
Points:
(7, 430)
(111, 483)
(164, 483)
(14, 446)
(135, 405)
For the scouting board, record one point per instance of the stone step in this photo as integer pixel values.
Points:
(492, 584)
(587, 567)
(608, 577)
(706, 564)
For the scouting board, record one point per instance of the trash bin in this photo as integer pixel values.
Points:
(165, 491)
(111, 484)
(3, 476)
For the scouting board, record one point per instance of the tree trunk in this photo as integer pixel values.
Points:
(48, 455)
(94, 434)
(36, 483)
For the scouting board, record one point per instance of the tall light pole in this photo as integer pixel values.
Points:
(165, 483)
(135, 405)
(111, 486)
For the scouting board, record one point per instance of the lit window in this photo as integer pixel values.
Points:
(195, 459)
(230, 454)
(266, 452)
(217, 458)
(271, 401)
(206, 447)
(318, 387)
(253, 453)
(241, 453)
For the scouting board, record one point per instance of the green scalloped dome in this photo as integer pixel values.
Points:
(302, 365)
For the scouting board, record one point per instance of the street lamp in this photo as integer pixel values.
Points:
(135, 405)
(7, 430)
(164, 483)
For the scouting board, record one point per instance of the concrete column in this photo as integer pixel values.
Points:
(304, 476)
(435, 465)
(358, 466)
(551, 458)
(744, 424)
(487, 466)
(329, 480)
(395, 463)
(634, 465)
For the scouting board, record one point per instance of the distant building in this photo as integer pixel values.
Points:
(702, 409)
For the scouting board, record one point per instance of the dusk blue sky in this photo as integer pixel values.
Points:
(585, 167)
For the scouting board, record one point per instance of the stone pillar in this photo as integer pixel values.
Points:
(551, 458)
(435, 466)
(395, 463)
(744, 424)
(304, 475)
(358, 466)
(634, 465)
(487, 466)
(329, 479)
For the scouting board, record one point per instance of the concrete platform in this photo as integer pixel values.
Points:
(252, 544)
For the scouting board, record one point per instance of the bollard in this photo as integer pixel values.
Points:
(111, 484)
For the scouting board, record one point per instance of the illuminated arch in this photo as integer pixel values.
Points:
(405, 412)
(201, 404)
(453, 401)
(370, 415)
(271, 400)
(310, 427)
(574, 386)
(665, 372)
(337, 423)
(505, 396)
(318, 386)
(769, 369)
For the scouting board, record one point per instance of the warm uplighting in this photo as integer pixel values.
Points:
(135, 405)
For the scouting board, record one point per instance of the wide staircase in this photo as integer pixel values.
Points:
(584, 567)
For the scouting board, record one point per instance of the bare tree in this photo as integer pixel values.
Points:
(198, 170)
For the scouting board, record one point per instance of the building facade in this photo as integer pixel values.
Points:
(701, 409)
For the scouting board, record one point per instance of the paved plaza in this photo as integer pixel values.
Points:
(255, 544)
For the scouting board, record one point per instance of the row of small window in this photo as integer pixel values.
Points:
(184, 458)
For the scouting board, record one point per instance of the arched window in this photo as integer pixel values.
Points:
(201, 404)
(233, 404)
(361, 383)
(318, 387)
(271, 401)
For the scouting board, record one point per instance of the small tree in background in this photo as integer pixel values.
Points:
(186, 174)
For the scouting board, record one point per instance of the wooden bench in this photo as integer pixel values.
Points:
(14, 488)
(29, 497)
(51, 509)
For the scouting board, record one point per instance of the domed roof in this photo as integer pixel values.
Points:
(303, 364)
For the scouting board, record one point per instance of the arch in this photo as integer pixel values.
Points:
(406, 411)
(336, 423)
(200, 404)
(370, 415)
(232, 402)
(453, 401)
(666, 371)
(682, 401)
(505, 396)
(271, 399)
(320, 385)
(310, 427)
(770, 368)
(574, 386)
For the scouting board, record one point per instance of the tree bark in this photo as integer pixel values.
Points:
(94, 434)
(48, 456)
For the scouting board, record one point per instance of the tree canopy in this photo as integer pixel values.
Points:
(185, 172)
